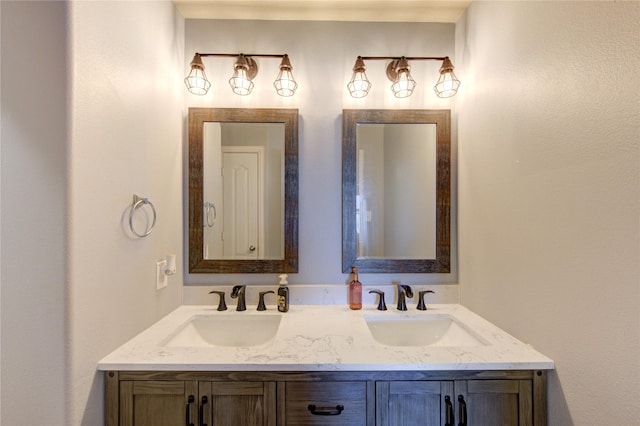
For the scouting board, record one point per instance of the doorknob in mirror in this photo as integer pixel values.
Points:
(255, 151)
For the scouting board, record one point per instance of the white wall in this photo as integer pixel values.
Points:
(127, 130)
(90, 116)
(35, 118)
(549, 192)
(322, 55)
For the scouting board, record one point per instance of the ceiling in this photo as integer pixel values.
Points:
(325, 10)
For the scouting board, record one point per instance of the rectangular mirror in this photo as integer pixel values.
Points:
(396, 191)
(243, 199)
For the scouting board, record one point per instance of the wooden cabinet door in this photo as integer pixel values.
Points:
(494, 402)
(408, 403)
(157, 403)
(237, 403)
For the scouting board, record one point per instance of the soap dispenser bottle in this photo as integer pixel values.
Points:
(355, 291)
(283, 294)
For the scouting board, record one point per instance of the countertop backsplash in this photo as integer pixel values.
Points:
(321, 294)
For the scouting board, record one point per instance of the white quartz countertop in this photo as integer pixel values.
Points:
(324, 338)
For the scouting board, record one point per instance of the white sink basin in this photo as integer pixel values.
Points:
(420, 330)
(232, 329)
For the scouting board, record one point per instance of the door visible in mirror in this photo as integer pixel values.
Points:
(243, 190)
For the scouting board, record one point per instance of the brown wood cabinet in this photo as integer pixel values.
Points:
(382, 398)
(155, 402)
(403, 402)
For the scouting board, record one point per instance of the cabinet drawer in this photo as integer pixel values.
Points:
(326, 396)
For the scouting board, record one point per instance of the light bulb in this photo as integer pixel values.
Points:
(240, 84)
(405, 84)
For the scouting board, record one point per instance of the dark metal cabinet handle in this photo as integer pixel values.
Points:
(325, 411)
(448, 414)
(462, 411)
(190, 400)
(203, 402)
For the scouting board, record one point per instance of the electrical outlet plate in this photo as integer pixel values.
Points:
(161, 277)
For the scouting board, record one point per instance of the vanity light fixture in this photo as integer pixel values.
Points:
(399, 72)
(245, 70)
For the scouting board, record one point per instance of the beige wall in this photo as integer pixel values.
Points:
(548, 119)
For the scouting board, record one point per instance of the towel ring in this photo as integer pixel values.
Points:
(210, 214)
(138, 202)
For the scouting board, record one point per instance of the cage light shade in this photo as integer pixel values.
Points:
(398, 71)
(197, 82)
(245, 70)
(404, 85)
(448, 83)
(359, 84)
(285, 84)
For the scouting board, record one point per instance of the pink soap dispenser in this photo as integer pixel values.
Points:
(355, 291)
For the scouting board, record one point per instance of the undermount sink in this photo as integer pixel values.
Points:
(420, 330)
(232, 329)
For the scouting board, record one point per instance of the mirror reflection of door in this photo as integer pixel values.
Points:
(242, 183)
(243, 191)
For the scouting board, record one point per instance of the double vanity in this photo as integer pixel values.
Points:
(322, 364)
(325, 364)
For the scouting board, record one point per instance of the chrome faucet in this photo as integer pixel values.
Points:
(404, 291)
(238, 292)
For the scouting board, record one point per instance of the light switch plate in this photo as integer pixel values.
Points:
(161, 277)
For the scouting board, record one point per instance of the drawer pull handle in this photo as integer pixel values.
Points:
(325, 411)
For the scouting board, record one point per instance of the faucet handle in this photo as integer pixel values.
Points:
(381, 305)
(261, 305)
(421, 306)
(222, 306)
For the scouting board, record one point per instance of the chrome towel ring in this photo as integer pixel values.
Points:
(138, 202)
(210, 214)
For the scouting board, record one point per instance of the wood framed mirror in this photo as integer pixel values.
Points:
(396, 205)
(243, 190)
